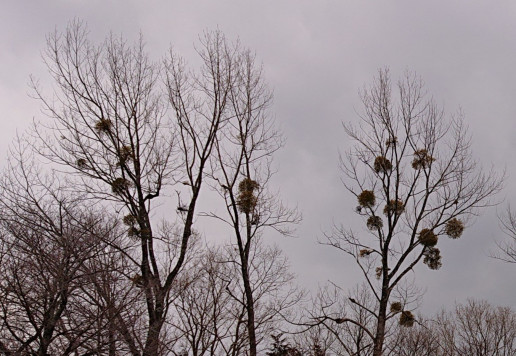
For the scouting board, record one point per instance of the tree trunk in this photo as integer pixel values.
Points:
(380, 327)
(152, 342)
(249, 308)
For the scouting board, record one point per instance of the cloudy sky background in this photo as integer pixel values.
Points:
(317, 55)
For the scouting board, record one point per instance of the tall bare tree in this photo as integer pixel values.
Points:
(111, 130)
(472, 328)
(414, 178)
(210, 310)
(507, 249)
(49, 237)
(244, 150)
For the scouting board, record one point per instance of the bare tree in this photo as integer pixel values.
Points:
(211, 311)
(477, 328)
(507, 249)
(110, 130)
(204, 312)
(49, 236)
(244, 150)
(413, 175)
(420, 340)
(474, 328)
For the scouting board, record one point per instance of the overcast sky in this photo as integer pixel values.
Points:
(317, 55)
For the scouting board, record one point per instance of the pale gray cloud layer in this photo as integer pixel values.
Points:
(316, 55)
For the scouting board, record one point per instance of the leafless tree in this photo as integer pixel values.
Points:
(422, 339)
(242, 164)
(474, 328)
(477, 328)
(204, 312)
(110, 130)
(49, 236)
(211, 312)
(507, 249)
(413, 175)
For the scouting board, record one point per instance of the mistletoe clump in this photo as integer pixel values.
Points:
(396, 307)
(137, 281)
(427, 238)
(247, 200)
(125, 154)
(432, 258)
(366, 199)
(81, 163)
(378, 272)
(392, 141)
(394, 207)
(365, 252)
(454, 228)
(382, 164)
(129, 220)
(374, 223)
(407, 319)
(120, 186)
(422, 159)
(103, 125)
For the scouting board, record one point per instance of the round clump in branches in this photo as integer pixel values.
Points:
(125, 153)
(394, 207)
(103, 125)
(366, 199)
(427, 238)
(130, 220)
(378, 272)
(81, 163)
(120, 186)
(396, 307)
(391, 141)
(454, 228)
(422, 159)
(247, 200)
(374, 223)
(365, 252)
(133, 232)
(432, 258)
(382, 164)
(137, 281)
(407, 319)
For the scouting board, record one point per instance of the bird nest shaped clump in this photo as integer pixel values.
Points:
(103, 125)
(366, 199)
(137, 280)
(81, 163)
(391, 141)
(378, 272)
(382, 164)
(133, 232)
(374, 223)
(125, 153)
(422, 159)
(427, 238)
(365, 252)
(394, 207)
(396, 307)
(129, 220)
(120, 186)
(454, 228)
(432, 258)
(247, 200)
(407, 319)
